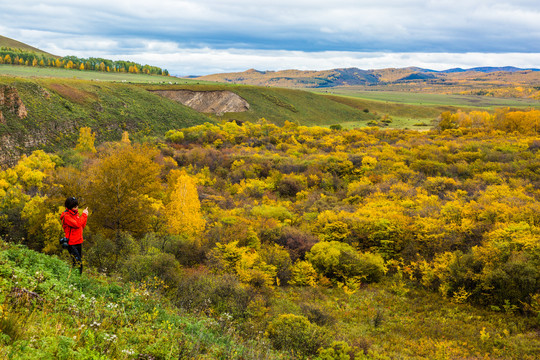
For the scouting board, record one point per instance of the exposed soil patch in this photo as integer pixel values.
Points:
(217, 102)
(11, 102)
(72, 94)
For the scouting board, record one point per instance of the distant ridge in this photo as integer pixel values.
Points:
(14, 44)
(354, 76)
(488, 69)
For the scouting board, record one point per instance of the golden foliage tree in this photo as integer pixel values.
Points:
(125, 137)
(124, 190)
(184, 209)
(86, 140)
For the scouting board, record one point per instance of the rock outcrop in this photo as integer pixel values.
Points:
(217, 102)
(11, 102)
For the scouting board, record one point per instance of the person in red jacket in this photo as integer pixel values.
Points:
(73, 225)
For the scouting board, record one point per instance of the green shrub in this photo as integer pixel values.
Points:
(338, 350)
(340, 262)
(161, 265)
(514, 282)
(303, 274)
(295, 334)
(203, 292)
(174, 136)
(279, 257)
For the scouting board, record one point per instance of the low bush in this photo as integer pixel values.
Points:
(155, 265)
(340, 262)
(295, 334)
(203, 292)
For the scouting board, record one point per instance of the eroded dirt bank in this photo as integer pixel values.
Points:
(217, 102)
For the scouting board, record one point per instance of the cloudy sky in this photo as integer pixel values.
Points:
(209, 36)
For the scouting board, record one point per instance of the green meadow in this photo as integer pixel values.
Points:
(39, 72)
(425, 99)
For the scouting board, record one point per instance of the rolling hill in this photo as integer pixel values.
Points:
(46, 113)
(447, 79)
(10, 43)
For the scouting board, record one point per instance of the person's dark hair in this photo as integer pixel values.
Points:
(71, 202)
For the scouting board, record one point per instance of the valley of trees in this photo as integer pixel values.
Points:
(285, 233)
(504, 120)
(20, 57)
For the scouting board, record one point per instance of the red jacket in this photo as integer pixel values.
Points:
(73, 225)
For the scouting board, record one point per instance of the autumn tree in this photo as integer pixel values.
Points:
(125, 138)
(86, 140)
(124, 190)
(184, 209)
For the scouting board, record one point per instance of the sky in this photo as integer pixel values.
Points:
(214, 36)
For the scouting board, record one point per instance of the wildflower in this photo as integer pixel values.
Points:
(110, 337)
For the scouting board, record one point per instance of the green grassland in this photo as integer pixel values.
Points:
(425, 99)
(57, 108)
(417, 110)
(278, 105)
(38, 72)
(49, 312)
(107, 106)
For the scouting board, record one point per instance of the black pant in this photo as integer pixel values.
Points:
(76, 254)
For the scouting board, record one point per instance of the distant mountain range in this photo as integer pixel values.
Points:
(485, 69)
(359, 77)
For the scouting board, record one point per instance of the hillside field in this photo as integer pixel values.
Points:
(417, 110)
(38, 72)
(426, 99)
(57, 107)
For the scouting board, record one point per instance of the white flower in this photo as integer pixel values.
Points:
(110, 337)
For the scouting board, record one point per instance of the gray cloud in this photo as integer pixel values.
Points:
(160, 29)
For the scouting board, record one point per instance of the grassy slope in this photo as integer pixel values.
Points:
(279, 105)
(37, 72)
(93, 317)
(7, 42)
(424, 99)
(417, 110)
(416, 324)
(58, 107)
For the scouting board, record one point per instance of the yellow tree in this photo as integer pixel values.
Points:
(124, 190)
(86, 140)
(125, 138)
(184, 209)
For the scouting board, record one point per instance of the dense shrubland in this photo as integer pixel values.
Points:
(505, 119)
(299, 234)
